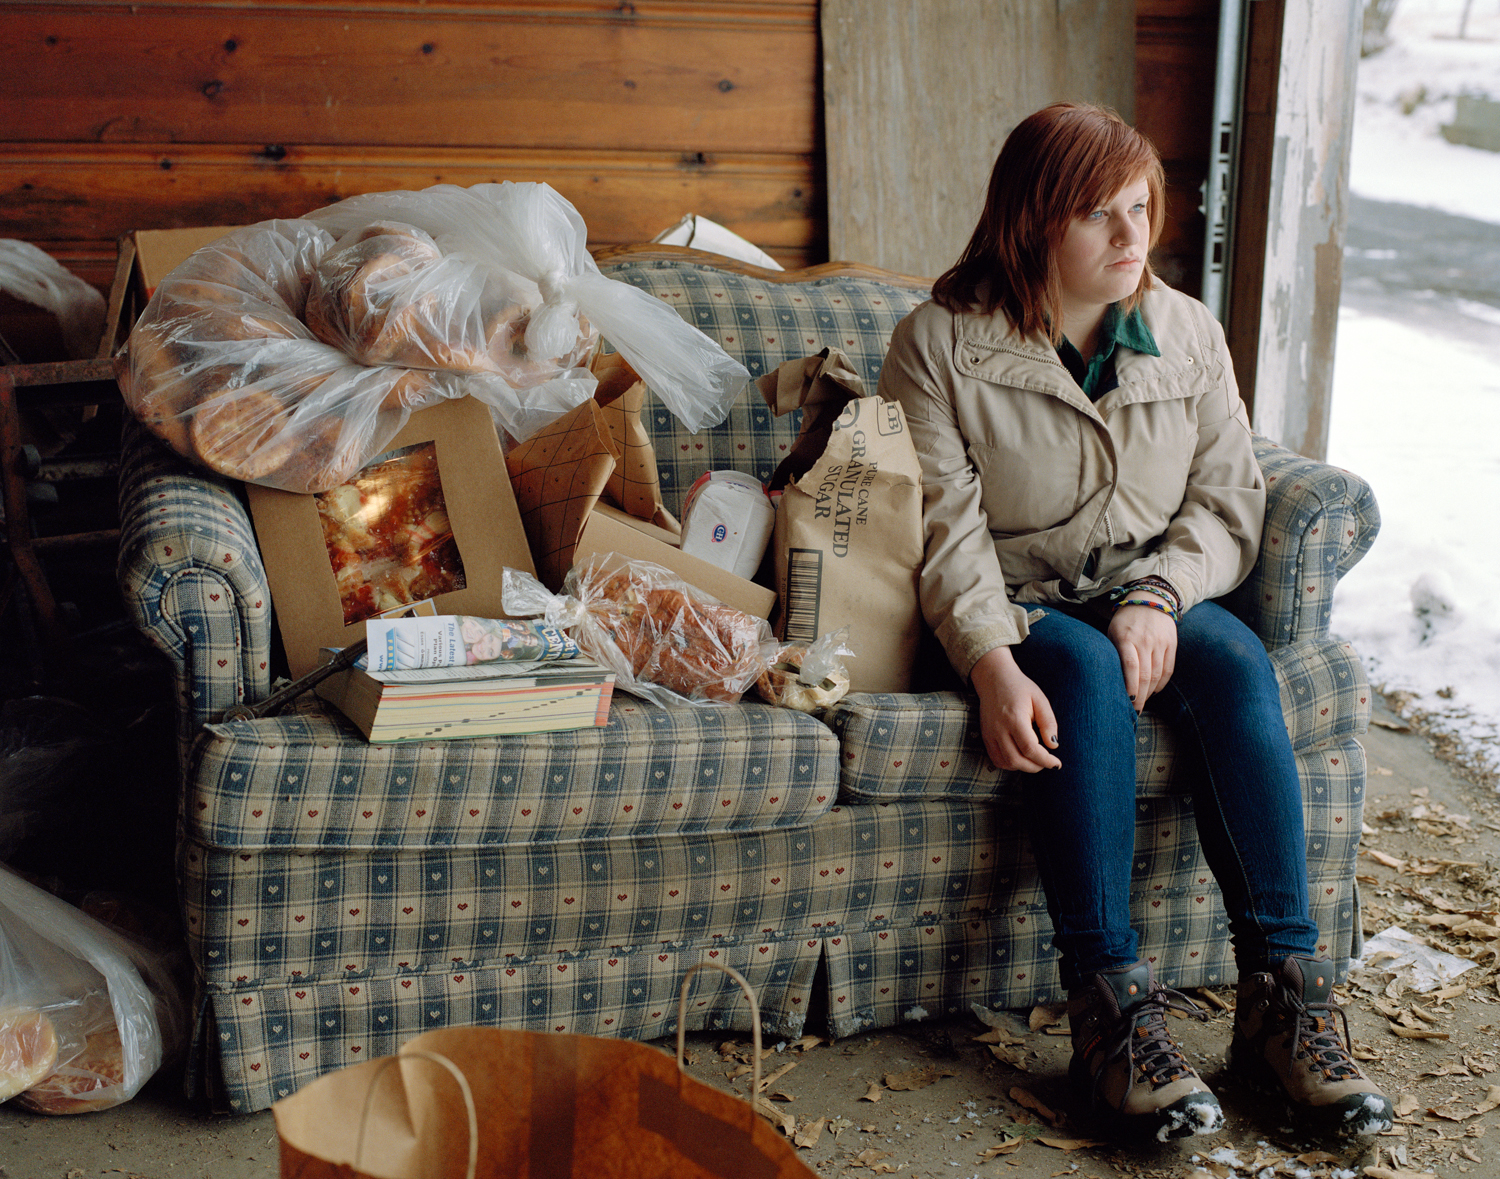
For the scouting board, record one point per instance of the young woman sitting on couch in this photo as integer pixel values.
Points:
(1090, 488)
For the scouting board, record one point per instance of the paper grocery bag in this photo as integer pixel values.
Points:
(634, 485)
(557, 475)
(848, 537)
(599, 449)
(545, 1106)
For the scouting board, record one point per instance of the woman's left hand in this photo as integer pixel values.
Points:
(1147, 642)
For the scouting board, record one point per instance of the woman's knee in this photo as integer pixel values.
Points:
(1074, 664)
(1224, 655)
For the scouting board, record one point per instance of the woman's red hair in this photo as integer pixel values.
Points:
(1062, 162)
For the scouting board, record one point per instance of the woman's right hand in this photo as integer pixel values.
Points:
(1015, 719)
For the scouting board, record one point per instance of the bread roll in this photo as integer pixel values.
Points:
(28, 1050)
(243, 433)
(420, 335)
(359, 285)
(91, 1080)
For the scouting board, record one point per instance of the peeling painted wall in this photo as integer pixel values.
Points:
(1307, 215)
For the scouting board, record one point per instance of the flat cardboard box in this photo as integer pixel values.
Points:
(481, 508)
(609, 530)
(160, 251)
(145, 257)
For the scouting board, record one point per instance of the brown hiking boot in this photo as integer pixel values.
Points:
(1126, 1063)
(1287, 1042)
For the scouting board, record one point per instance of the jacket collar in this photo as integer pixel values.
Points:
(988, 348)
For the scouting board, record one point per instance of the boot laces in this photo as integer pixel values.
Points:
(1316, 1034)
(1141, 1035)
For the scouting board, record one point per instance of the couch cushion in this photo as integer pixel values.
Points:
(310, 780)
(761, 323)
(927, 746)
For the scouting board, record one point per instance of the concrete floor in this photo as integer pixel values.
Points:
(159, 1134)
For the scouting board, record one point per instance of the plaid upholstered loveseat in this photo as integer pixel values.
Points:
(859, 868)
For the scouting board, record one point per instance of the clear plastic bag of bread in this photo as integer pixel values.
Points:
(87, 1014)
(808, 676)
(665, 640)
(290, 352)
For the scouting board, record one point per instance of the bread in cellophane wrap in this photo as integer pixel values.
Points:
(665, 640)
(223, 369)
(808, 676)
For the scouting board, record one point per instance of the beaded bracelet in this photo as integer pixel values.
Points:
(1152, 602)
(1159, 585)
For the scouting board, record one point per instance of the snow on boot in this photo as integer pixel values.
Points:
(1286, 1042)
(1127, 1065)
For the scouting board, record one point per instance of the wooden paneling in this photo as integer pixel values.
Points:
(408, 75)
(1176, 48)
(81, 193)
(919, 96)
(116, 117)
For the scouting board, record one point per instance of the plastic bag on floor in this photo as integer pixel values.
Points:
(86, 1014)
(33, 276)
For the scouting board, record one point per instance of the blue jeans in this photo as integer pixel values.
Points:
(1223, 702)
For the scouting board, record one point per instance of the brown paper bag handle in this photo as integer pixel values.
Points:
(682, 997)
(463, 1084)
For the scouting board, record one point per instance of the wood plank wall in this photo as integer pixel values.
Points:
(919, 96)
(154, 114)
(157, 114)
(1176, 44)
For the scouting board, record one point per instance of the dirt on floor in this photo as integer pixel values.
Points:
(970, 1097)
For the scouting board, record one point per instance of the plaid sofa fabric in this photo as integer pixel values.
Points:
(915, 904)
(190, 570)
(903, 863)
(761, 323)
(259, 1045)
(1320, 520)
(257, 918)
(309, 780)
(899, 746)
(954, 912)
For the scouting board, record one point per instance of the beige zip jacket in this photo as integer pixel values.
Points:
(1031, 493)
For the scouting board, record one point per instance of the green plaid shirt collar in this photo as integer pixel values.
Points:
(1097, 377)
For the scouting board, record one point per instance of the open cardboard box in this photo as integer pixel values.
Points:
(609, 530)
(146, 256)
(480, 506)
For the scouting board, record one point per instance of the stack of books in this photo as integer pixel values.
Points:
(475, 700)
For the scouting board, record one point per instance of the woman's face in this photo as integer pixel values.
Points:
(1101, 254)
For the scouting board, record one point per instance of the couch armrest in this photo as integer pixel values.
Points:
(191, 576)
(1320, 520)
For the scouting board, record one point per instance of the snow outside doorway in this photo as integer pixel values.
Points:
(1416, 394)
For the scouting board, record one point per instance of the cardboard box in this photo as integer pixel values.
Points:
(145, 257)
(609, 530)
(160, 251)
(310, 610)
